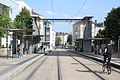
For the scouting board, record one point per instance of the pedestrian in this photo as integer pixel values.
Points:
(41, 47)
(95, 50)
(18, 50)
(107, 54)
(44, 49)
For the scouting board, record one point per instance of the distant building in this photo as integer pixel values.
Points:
(84, 32)
(52, 39)
(63, 36)
(49, 35)
(96, 27)
(79, 27)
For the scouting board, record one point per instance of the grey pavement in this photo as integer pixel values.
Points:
(115, 61)
(64, 65)
(68, 68)
(12, 66)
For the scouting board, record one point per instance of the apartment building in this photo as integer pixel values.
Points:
(39, 27)
(49, 35)
(63, 36)
(81, 34)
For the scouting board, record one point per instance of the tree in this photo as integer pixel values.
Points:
(57, 40)
(69, 39)
(112, 24)
(23, 20)
(101, 34)
(5, 21)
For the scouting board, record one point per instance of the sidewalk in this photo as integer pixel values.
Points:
(115, 61)
(12, 66)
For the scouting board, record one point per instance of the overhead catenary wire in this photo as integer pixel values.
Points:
(80, 8)
(52, 11)
(52, 8)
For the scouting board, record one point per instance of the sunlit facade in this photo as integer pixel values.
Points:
(14, 10)
(14, 7)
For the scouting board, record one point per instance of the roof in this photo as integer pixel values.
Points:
(18, 30)
(87, 17)
(34, 35)
(22, 4)
(93, 39)
(98, 38)
(34, 13)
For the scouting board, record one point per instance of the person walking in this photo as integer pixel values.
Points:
(95, 50)
(44, 49)
(18, 50)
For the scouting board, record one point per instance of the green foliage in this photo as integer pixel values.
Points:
(112, 23)
(58, 40)
(69, 39)
(101, 34)
(5, 21)
(23, 20)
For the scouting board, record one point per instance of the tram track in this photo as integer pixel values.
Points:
(98, 62)
(62, 65)
(89, 69)
(96, 74)
(59, 68)
(40, 63)
(33, 72)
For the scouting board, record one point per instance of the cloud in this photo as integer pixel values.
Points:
(50, 13)
(77, 17)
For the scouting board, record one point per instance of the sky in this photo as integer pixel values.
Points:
(70, 9)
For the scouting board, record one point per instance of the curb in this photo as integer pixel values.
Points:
(9, 75)
(114, 64)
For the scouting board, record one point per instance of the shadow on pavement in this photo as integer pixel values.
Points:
(62, 53)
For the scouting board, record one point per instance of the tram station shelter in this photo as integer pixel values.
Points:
(31, 39)
(99, 43)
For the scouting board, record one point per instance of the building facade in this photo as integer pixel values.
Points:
(63, 36)
(49, 35)
(14, 10)
(37, 38)
(14, 7)
(84, 32)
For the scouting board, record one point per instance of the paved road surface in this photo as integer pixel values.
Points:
(63, 65)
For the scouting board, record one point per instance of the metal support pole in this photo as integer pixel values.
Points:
(45, 37)
(21, 41)
(118, 48)
(45, 32)
(7, 43)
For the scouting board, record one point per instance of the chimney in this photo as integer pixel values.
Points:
(95, 21)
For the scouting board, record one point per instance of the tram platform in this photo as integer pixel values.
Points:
(115, 60)
(9, 67)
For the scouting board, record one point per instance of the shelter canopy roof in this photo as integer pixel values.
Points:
(18, 30)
